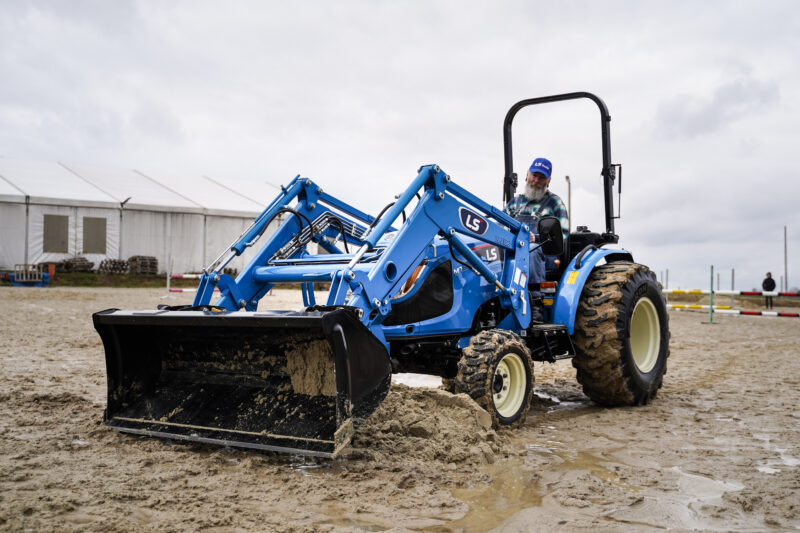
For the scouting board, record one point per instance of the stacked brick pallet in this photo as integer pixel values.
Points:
(77, 264)
(143, 264)
(113, 266)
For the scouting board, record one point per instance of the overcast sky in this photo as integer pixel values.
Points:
(704, 99)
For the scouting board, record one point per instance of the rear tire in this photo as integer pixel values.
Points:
(496, 371)
(621, 335)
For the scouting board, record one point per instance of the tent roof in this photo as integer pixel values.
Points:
(6, 188)
(204, 192)
(258, 192)
(39, 179)
(123, 184)
(81, 184)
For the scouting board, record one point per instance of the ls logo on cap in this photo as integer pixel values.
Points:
(472, 221)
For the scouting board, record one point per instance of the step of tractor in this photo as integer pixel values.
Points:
(549, 342)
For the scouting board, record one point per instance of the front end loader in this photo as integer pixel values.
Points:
(445, 293)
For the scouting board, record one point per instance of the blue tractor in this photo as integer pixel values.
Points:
(443, 293)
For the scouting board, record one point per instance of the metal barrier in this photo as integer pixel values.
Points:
(188, 290)
(187, 276)
(726, 310)
(734, 293)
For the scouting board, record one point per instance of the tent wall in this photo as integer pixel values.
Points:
(12, 230)
(190, 242)
(111, 217)
(175, 238)
(220, 234)
(75, 216)
(186, 221)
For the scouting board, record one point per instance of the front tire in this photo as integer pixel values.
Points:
(621, 335)
(496, 370)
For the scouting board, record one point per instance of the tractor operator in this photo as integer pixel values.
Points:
(535, 203)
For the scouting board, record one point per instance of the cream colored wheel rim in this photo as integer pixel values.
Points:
(645, 335)
(508, 385)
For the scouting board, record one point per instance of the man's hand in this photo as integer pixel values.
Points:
(533, 237)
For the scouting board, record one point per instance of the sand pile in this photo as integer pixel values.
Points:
(430, 425)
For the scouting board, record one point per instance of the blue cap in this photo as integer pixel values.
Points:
(542, 166)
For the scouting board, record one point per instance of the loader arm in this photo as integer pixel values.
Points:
(367, 279)
(298, 381)
(313, 205)
(447, 210)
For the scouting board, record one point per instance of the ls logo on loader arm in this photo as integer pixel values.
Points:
(472, 221)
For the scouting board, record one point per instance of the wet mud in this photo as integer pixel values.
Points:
(310, 368)
(717, 450)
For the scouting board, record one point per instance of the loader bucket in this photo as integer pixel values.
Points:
(297, 382)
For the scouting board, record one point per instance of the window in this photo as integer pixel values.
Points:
(94, 235)
(56, 234)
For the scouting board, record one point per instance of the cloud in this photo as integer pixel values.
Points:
(357, 94)
(690, 115)
(155, 120)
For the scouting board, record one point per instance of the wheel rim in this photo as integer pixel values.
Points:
(508, 385)
(645, 335)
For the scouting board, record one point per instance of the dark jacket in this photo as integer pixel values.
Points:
(768, 284)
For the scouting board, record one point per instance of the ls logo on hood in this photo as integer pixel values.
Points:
(472, 221)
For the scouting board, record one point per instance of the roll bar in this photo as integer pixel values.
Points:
(510, 179)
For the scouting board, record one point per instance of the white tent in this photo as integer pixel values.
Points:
(53, 211)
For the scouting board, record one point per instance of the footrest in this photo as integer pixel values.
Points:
(549, 342)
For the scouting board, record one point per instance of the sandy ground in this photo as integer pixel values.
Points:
(718, 450)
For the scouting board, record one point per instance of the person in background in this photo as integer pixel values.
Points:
(535, 203)
(768, 285)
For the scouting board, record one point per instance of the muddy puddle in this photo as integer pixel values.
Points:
(512, 489)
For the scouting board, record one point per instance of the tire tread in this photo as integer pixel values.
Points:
(599, 333)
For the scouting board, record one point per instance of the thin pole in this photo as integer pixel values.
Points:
(667, 285)
(732, 275)
(717, 280)
(785, 262)
(569, 202)
(27, 224)
(711, 298)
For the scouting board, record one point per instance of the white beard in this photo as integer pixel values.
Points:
(535, 194)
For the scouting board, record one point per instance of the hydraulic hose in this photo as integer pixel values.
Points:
(377, 218)
(300, 217)
(341, 228)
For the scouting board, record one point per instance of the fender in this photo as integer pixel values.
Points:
(571, 285)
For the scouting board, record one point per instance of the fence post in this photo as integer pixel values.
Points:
(169, 277)
(711, 299)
